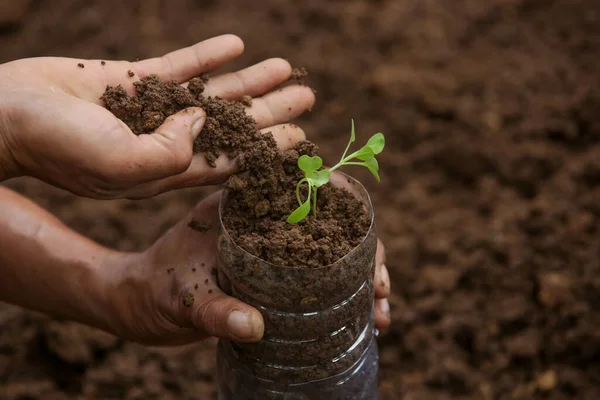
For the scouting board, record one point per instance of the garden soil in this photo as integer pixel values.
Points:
(489, 203)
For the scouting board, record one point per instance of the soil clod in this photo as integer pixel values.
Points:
(247, 100)
(200, 226)
(299, 74)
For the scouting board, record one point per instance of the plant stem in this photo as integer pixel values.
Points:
(315, 204)
(298, 190)
(346, 151)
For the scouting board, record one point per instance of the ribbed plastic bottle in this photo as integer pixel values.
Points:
(319, 340)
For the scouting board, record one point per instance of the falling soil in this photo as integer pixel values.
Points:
(299, 74)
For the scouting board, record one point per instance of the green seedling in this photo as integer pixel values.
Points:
(315, 177)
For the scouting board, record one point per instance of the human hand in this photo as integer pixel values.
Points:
(53, 125)
(149, 297)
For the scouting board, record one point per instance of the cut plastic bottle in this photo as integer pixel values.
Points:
(319, 340)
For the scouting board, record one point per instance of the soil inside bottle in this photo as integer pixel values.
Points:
(318, 311)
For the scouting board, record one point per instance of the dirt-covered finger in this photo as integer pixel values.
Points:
(382, 282)
(199, 173)
(252, 81)
(167, 152)
(286, 135)
(281, 106)
(184, 64)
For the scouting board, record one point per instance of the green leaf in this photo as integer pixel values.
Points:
(300, 213)
(373, 166)
(309, 164)
(363, 154)
(320, 178)
(376, 143)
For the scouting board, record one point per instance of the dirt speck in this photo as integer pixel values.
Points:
(80, 65)
(188, 299)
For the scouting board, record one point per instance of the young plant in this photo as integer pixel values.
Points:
(315, 177)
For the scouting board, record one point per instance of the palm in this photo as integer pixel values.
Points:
(85, 144)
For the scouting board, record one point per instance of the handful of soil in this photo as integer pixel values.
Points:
(262, 193)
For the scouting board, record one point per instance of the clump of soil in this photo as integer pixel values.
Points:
(262, 194)
(227, 128)
(200, 226)
(299, 74)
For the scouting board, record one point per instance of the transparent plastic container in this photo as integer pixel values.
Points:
(319, 340)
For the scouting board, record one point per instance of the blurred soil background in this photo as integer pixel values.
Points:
(489, 203)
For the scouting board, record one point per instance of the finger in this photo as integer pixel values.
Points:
(228, 318)
(200, 173)
(380, 256)
(382, 277)
(281, 106)
(382, 282)
(90, 77)
(252, 81)
(168, 151)
(184, 64)
(382, 314)
(207, 207)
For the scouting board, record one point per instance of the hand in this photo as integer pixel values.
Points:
(53, 125)
(150, 299)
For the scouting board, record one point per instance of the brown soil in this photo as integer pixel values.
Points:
(260, 201)
(262, 195)
(227, 128)
(489, 202)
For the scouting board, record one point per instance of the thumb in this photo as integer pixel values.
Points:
(168, 150)
(228, 318)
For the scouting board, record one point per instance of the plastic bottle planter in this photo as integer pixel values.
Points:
(319, 340)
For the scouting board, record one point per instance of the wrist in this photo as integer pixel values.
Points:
(88, 287)
(118, 277)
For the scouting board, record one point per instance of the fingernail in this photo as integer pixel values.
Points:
(385, 307)
(240, 325)
(197, 127)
